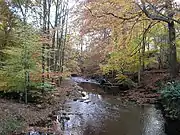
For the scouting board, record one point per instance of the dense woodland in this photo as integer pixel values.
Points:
(44, 41)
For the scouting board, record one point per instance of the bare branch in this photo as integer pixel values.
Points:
(149, 15)
(157, 15)
(112, 14)
(124, 18)
(151, 24)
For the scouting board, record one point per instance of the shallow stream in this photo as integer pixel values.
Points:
(96, 114)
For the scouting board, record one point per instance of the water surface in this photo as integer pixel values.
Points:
(96, 114)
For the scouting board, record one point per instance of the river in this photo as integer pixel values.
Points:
(95, 114)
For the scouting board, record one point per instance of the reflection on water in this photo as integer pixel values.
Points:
(100, 115)
(153, 121)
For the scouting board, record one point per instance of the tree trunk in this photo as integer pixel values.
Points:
(172, 50)
(48, 45)
(143, 52)
(167, 18)
(44, 44)
(140, 66)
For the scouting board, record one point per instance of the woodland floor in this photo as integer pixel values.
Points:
(33, 115)
(148, 90)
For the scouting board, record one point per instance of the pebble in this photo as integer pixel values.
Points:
(83, 94)
(39, 106)
(33, 133)
(87, 101)
(81, 100)
(75, 99)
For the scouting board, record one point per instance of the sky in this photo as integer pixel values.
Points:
(72, 4)
(177, 1)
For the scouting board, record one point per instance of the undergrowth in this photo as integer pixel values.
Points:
(11, 125)
(170, 97)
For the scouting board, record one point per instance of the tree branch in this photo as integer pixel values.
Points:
(149, 15)
(151, 24)
(124, 18)
(158, 16)
(112, 14)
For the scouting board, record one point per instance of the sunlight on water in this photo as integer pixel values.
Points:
(94, 114)
(153, 121)
(102, 117)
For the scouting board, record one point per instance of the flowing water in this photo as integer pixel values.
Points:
(96, 114)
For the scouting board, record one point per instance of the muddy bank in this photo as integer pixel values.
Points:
(35, 115)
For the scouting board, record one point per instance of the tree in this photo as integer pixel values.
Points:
(163, 10)
(7, 22)
(24, 39)
(109, 25)
(125, 21)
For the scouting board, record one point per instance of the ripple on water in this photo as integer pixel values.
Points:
(107, 116)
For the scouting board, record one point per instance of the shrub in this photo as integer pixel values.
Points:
(124, 80)
(34, 92)
(170, 97)
(47, 86)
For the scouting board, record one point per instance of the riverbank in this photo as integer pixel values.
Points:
(18, 117)
(42, 117)
(148, 91)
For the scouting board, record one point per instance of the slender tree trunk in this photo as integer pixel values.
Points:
(64, 45)
(60, 49)
(44, 44)
(140, 67)
(143, 52)
(26, 53)
(53, 52)
(144, 46)
(48, 45)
